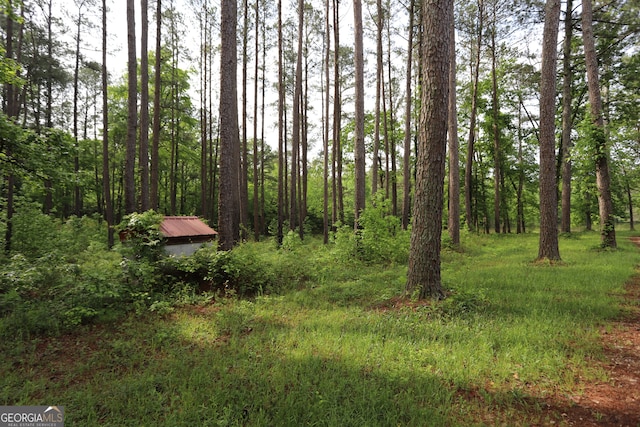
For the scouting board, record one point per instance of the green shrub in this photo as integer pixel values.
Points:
(378, 240)
(142, 237)
(237, 271)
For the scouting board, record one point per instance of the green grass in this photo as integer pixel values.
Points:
(338, 350)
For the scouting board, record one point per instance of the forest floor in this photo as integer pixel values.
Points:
(616, 402)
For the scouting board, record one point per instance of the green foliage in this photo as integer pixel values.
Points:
(142, 237)
(241, 271)
(379, 238)
(343, 350)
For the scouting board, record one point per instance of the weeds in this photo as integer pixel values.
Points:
(307, 337)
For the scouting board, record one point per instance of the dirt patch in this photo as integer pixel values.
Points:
(617, 401)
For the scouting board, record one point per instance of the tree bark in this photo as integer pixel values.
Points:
(281, 149)
(338, 202)
(424, 253)
(132, 115)
(468, 173)
(106, 189)
(256, 205)
(359, 112)
(603, 179)
(567, 122)
(144, 107)
(77, 201)
(375, 171)
(294, 219)
(548, 246)
(229, 199)
(406, 201)
(244, 160)
(327, 73)
(497, 155)
(452, 136)
(155, 145)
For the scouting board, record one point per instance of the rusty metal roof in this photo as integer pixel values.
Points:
(185, 226)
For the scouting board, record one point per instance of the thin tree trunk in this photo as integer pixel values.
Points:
(256, 206)
(359, 153)
(295, 132)
(406, 201)
(376, 131)
(497, 154)
(144, 107)
(567, 122)
(106, 187)
(390, 130)
(338, 202)
(77, 201)
(204, 116)
(132, 117)
(603, 179)
(327, 95)
(155, 145)
(281, 149)
(244, 161)
(468, 173)
(454, 165)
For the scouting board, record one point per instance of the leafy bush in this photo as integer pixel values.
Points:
(237, 271)
(142, 237)
(379, 239)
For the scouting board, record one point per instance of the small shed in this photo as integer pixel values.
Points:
(185, 234)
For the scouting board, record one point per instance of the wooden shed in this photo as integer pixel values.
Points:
(185, 234)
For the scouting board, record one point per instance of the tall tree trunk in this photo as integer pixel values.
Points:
(281, 149)
(327, 103)
(359, 153)
(262, 123)
(406, 170)
(423, 274)
(520, 222)
(228, 199)
(244, 162)
(145, 204)
(452, 136)
(204, 114)
(48, 182)
(256, 205)
(304, 147)
(155, 145)
(497, 154)
(375, 171)
(11, 109)
(468, 173)
(567, 122)
(132, 114)
(390, 130)
(295, 133)
(603, 179)
(77, 201)
(106, 189)
(338, 203)
(548, 246)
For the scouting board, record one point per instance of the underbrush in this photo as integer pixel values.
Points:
(305, 334)
(329, 341)
(62, 275)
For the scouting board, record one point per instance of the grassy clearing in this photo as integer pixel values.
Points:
(339, 349)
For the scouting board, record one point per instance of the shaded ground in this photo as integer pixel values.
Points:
(616, 402)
